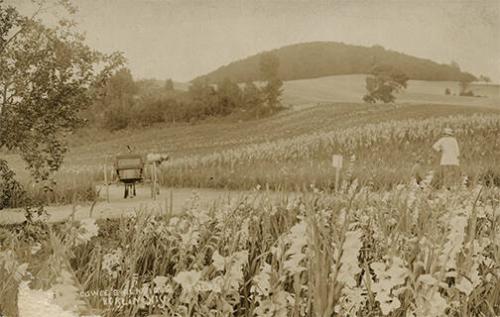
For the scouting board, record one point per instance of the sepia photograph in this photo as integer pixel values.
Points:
(250, 158)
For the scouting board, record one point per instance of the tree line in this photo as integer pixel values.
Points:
(126, 102)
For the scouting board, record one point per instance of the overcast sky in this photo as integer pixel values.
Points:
(182, 39)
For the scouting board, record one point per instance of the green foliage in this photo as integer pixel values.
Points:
(169, 85)
(11, 192)
(119, 89)
(152, 103)
(464, 85)
(13, 195)
(125, 103)
(319, 59)
(485, 79)
(269, 67)
(9, 17)
(117, 100)
(229, 95)
(117, 117)
(253, 98)
(47, 77)
(383, 82)
(272, 92)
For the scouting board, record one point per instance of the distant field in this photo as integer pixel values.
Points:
(351, 88)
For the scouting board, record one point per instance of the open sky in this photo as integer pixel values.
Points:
(182, 39)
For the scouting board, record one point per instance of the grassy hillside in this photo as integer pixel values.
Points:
(351, 88)
(319, 59)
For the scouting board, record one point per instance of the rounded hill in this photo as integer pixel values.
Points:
(320, 59)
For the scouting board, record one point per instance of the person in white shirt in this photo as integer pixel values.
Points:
(447, 145)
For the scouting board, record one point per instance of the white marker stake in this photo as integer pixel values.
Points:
(337, 164)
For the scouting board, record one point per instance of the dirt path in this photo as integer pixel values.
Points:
(118, 206)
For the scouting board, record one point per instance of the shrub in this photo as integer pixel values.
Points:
(117, 118)
(12, 193)
(382, 82)
(468, 93)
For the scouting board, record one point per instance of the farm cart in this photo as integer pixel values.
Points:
(129, 169)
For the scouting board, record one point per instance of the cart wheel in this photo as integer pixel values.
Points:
(126, 191)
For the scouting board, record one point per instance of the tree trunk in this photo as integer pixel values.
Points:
(8, 300)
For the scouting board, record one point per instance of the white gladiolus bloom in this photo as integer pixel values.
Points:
(294, 254)
(35, 248)
(219, 261)
(350, 267)
(262, 281)
(111, 262)
(454, 240)
(235, 272)
(188, 280)
(161, 285)
(88, 229)
(388, 278)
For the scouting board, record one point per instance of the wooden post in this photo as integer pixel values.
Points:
(154, 181)
(151, 178)
(337, 178)
(106, 178)
(337, 164)
(171, 202)
(166, 207)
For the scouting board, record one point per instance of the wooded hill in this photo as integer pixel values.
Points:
(319, 59)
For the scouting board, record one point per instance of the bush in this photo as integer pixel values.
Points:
(383, 81)
(117, 118)
(12, 193)
(468, 93)
(491, 178)
(147, 115)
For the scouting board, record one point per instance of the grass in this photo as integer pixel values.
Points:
(68, 187)
(359, 252)
(351, 88)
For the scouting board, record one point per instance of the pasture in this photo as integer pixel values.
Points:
(350, 88)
